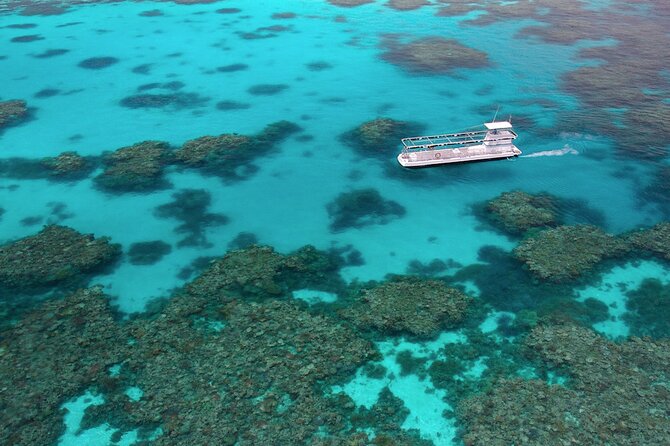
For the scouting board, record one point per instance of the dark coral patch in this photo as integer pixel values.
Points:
(190, 207)
(379, 137)
(228, 10)
(148, 253)
(176, 101)
(136, 168)
(21, 26)
(98, 63)
(360, 208)
(44, 9)
(56, 254)
(406, 5)
(232, 67)
(12, 112)
(319, 66)
(47, 93)
(151, 13)
(267, 89)
(349, 3)
(26, 39)
(142, 69)
(51, 53)
(413, 306)
(231, 105)
(230, 155)
(283, 15)
(432, 55)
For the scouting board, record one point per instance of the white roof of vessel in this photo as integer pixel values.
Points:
(498, 125)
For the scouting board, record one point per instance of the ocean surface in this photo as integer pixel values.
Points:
(586, 86)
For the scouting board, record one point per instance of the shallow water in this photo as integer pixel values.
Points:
(284, 204)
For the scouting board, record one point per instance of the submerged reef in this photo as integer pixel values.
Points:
(654, 241)
(148, 253)
(516, 212)
(98, 63)
(258, 272)
(419, 307)
(56, 254)
(230, 156)
(658, 191)
(565, 253)
(67, 166)
(360, 208)
(379, 138)
(52, 355)
(432, 55)
(12, 112)
(136, 168)
(615, 394)
(406, 5)
(649, 309)
(189, 206)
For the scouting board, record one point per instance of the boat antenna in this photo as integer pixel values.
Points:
(496, 114)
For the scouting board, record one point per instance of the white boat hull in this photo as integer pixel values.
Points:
(459, 155)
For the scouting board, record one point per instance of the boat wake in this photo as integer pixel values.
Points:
(566, 150)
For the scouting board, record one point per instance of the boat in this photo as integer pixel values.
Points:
(493, 141)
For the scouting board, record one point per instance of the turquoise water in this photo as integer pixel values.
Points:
(284, 203)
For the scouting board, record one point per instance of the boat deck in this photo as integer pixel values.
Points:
(458, 155)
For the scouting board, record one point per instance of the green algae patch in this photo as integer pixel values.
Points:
(516, 212)
(616, 394)
(418, 307)
(135, 168)
(567, 252)
(56, 254)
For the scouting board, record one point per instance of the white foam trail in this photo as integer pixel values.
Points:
(567, 150)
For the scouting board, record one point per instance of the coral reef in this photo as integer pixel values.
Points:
(418, 307)
(176, 101)
(658, 191)
(135, 168)
(267, 89)
(258, 272)
(189, 206)
(517, 211)
(12, 112)
(148, 253)
(655, 240)
(614, 394)
(256, 381)
(56, 254)
(406, 5)
(567, 252)
(349, 3)
(649, 309)
(54, 354)
(432, 55)
(67, 165)
(215, 154)
(379, 137)
(98, 63)
(360, 208)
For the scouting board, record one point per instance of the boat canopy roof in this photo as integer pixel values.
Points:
(498, 125)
